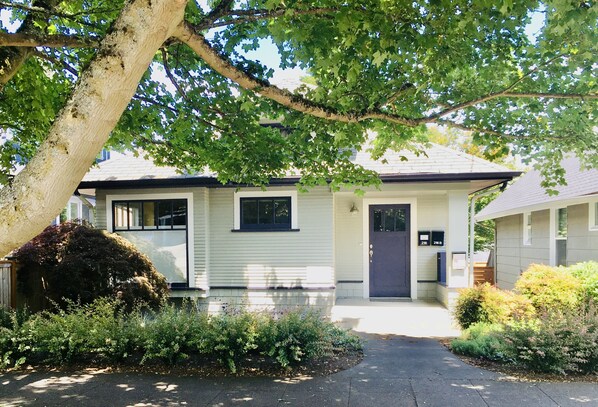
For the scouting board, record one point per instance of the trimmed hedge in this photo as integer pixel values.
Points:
(104, 333)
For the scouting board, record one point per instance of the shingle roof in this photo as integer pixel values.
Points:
(437, 160)
(527, 194)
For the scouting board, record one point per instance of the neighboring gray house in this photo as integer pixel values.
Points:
(281, 247)
(534, 227)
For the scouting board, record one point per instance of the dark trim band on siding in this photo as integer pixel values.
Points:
(427, 281)
(213, 182)
(264, 230)
(181, 288)
(350, 281)
(298, 287)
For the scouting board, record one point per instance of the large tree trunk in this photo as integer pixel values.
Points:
(41, 190)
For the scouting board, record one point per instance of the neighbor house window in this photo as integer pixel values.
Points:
(561, 225)
(593, 215)
(266, 213)
(527, 228)
(561, 237)
(72, 211)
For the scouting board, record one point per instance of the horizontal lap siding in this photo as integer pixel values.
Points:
(582, 243)
(512, 256)
(270, 259)
(348, 238)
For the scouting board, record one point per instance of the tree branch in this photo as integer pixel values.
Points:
(187, 34)
(459, 126)
(247, 16)
(12, 58)
(31, 40)
(56, 61)
(54, 13)
(197, 42)
(155, 102)
(170, 75)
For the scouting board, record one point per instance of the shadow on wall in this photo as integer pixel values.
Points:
(273, 295)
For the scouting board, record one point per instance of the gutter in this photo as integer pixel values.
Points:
(472, 221)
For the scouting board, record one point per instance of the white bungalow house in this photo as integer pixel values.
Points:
(279, 247)
(534, 227)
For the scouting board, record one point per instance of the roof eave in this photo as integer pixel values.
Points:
(213, 182)
(555, 203)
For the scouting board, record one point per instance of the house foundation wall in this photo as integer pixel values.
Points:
(447, 296)
(279, 300)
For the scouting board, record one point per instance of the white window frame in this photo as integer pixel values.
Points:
(592, 211)
(527, 228)
(265, 194)
(190, 229)
(69, 215)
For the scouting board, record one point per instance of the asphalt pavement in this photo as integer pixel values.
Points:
(396, 371)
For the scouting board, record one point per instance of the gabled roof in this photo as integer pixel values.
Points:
(438, 164)
(526, 194)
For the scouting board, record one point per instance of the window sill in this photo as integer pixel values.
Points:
(264, 230)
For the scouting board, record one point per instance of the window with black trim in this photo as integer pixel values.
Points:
(159, 214)
(268, 213)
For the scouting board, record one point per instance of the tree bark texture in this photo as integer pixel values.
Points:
(40, 191)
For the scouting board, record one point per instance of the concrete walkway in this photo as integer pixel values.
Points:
(396, 371)
(418, 319)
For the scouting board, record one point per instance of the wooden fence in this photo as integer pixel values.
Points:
(8, 284)
(482, 274)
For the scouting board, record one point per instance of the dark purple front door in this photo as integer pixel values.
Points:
(389, 251)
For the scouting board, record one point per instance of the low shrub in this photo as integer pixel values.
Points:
(549, 288)
(102, 331)
(485, 303)
(172, 333)
(587, 273)
(231, 336)
(480, 340)
(557, 342)
(295, 336)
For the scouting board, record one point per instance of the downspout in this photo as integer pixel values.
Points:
(474, 198)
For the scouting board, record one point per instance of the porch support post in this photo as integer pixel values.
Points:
(456, 239)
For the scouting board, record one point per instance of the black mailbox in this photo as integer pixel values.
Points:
(437, 238)
(423, 238)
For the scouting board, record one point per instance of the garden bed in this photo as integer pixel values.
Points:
(546, 329)
(102, 334)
